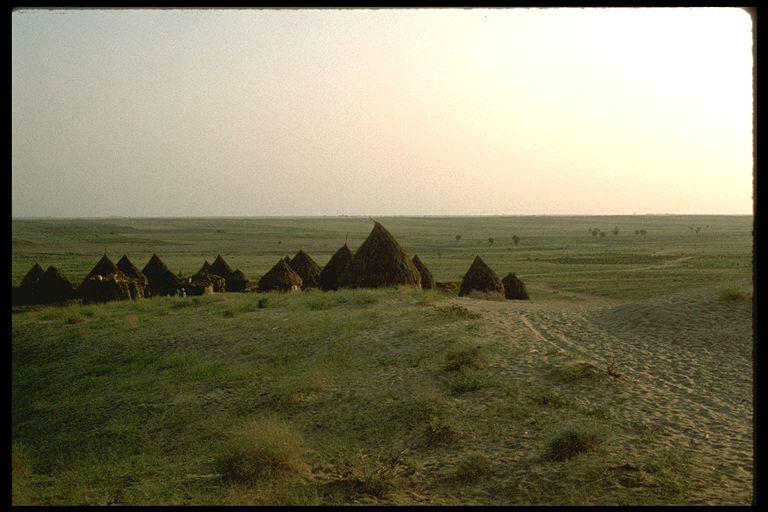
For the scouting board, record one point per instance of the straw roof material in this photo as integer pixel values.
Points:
(104, 267)
(380, 262)
(305, 266)
(220, 268)
(161, 280)
(480, 278)
(427, 281)
(130, 270)
(237, 282)
(54, 287)
(329, 276)
(34, 275)
(281, 277)
(204, 283)
(205, 269)
(104, 289)
(514, 288)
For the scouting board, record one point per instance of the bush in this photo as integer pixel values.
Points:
(569, 443)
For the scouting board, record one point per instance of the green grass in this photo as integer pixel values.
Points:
(350, 397)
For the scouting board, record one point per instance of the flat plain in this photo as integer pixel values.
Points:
(627, 378)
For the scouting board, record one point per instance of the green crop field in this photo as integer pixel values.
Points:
(626, 379)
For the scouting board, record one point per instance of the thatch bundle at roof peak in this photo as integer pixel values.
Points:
(303, 264)
(380, 262)
(329, 276)
(480, 278)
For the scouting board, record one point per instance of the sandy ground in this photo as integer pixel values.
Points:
(687, 359)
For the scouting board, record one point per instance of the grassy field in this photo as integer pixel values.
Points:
(626, 379)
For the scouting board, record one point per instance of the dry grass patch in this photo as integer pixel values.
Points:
(262, 449)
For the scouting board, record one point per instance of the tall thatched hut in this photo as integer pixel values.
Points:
(34, 275)
(514, 288)
(303, 264)
(139, 281)
(328, 278)
(427, 281)
(380, 262)
(221, 268)
(205, 269)
(104, 267)
(161, 280)
(54, 287)
(480, 278)
(26, 293)
(281, 277)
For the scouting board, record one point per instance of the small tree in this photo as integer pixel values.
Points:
(458, 237)
(490, 240)
(698, 229)
(515, 239)
(643, 232)
(595, 231)
(602, 233)
(615, 231)
(637, 231)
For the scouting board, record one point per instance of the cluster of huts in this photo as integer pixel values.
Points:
(378, 262)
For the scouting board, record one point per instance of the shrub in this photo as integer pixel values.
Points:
(569, 443)
(472, 468)
(464, 381)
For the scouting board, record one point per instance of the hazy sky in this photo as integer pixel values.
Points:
(381, 112)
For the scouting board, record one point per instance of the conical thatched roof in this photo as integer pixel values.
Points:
(34, 275)
(427, 281)
(104, 267)
(237, 281)
(220, 268)
(514, 288)
(205, 269)
(203, 279)
(305, 266)
(281, 277)
(129, 269)
(379, 262)
(161, 280)
(480, 278)
(54, 287)
(329, 276)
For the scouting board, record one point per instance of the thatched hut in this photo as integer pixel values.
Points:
(104, 267)
(282, 278)
(205, 269)
(221, 268)
(161, 280)
(26, 293)
(514, 289)
(139, 281)
(427, 281)
(480, 278)
(53, 287)
(305, 266)
(204, 283)
(114, 286)
(328, 278)
(380, 262)
(237, 282)
(33, 276)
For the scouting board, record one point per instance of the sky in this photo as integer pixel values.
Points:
(303, 112)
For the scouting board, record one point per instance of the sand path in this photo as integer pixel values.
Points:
(686, 359)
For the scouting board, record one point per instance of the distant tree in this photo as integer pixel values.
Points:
(615, 231)
(490, 240)
(698, 229)
(595, 231)
(690, 228)
(643, 232)
(602, 233)
(637, 231)
(515, 239)
(439, 255)
(458, 237)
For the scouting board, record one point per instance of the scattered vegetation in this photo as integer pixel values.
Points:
(571, 442)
